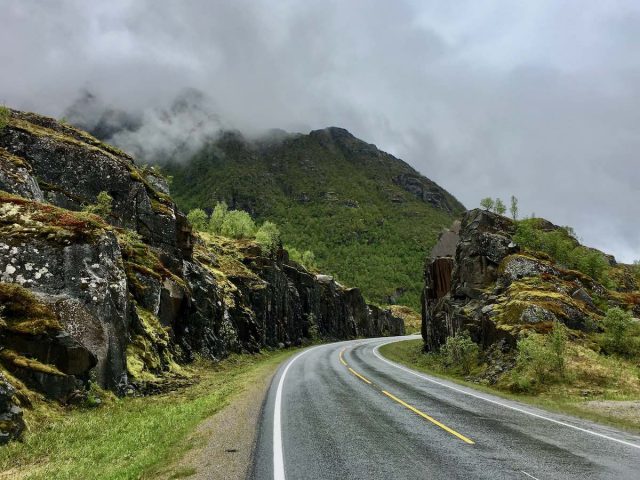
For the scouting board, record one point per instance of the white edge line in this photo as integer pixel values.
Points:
(278, 455)
(564, 424)
(529, 475)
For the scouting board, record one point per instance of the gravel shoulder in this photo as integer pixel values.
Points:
(223, 444)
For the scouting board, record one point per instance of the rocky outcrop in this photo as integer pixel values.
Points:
(123, 299)
(496, 290)
(11, 422)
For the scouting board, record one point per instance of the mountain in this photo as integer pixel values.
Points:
(368, 217)
(124, 298)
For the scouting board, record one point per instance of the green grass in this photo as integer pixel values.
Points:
(131, 437)
(339, 202)
(561, 398)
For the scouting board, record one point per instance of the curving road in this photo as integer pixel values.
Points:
(341, 411)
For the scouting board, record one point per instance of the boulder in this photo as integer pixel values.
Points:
(11, 422)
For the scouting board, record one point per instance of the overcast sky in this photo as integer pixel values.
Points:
(540, 99)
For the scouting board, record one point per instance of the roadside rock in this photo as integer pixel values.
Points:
(11, 422)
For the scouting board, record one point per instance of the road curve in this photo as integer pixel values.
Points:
(341, 411)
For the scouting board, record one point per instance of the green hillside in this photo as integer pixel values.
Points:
(369, 218)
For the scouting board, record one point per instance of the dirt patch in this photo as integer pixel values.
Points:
(627, 410)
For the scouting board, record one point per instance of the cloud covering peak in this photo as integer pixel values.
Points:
(538, 99)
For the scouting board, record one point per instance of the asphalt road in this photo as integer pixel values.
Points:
(341, 411)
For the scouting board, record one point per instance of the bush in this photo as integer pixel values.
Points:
(103, 205)
(268, 236)
(198, 219)
(5, 115)
(563, 247)
(618, 334)
(217, 218)
(557, 342)
(460, 352)
(309, 260)
(238, 224)
(541, 359)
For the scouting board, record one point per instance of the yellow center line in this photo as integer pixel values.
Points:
(341, 358)
(359, 376)
(431, 419)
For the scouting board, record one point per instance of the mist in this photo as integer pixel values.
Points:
(487, 98)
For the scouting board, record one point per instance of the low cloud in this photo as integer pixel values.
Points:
(540, 100)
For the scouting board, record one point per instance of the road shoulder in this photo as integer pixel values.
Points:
(223, 444)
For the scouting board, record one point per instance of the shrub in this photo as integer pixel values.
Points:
(460, 351)
(238, 224)
(309, 260)
(557, 342)
(618, 334)
(268, 236)
(217, 218)
(563, 247)
(5, 115)
(487, 203)
(103, 205)
(541, 358)
(198, 219)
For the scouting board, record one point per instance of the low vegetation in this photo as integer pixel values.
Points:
(238, 225)
(128, 437)
(576, 379)
(5, 116)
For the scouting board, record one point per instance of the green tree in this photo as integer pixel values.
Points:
(617, 325)
(103, 205)
(238, 224)
(198, 219)
(514, 207)
(460, 352)
(499, 207)
(487, 203)
(268, 236)
(309, 260)
(217, 218)
(558, 346)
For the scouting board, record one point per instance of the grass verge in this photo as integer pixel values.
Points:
(560, 398)
(130, 437)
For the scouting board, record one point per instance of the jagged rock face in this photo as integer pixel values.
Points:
(497, 292)
(485, 240)
(80, 277)
(11, 422)
(81, 168)
(16, 178)
(120, 300)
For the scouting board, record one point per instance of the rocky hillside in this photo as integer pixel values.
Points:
(368, 217)
(499, 279)
(125, 298)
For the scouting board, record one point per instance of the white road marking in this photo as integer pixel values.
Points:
(278, 455)
(529, 475)
(481, 397)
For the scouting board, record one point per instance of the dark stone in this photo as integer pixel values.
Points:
(11, 422)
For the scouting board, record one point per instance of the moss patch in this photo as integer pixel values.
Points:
(22, 312)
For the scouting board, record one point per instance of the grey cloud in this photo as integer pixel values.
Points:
(539, 99)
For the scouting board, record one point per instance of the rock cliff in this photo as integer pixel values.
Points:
(122, 300)
(480, 279)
